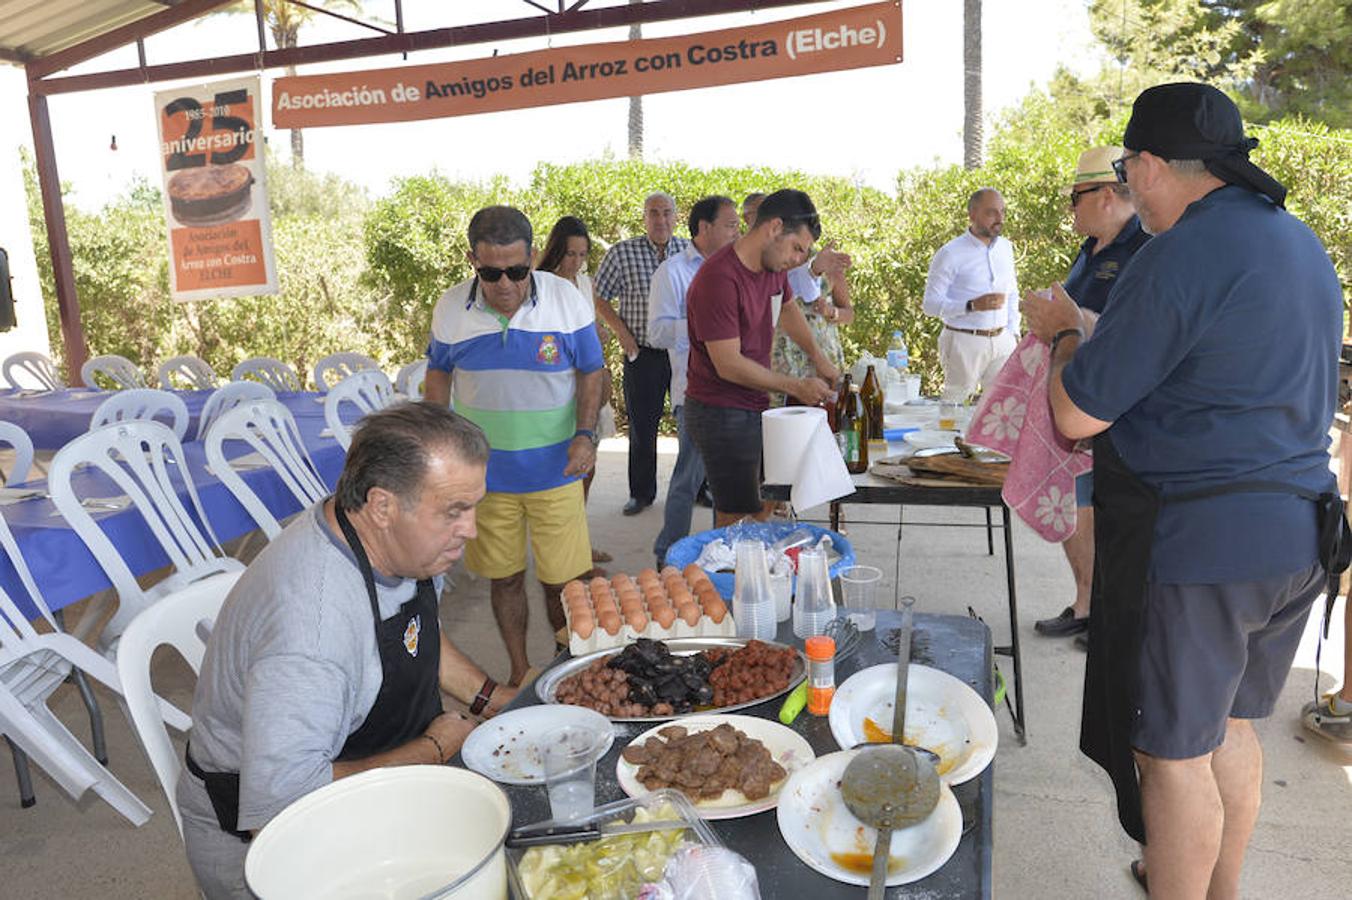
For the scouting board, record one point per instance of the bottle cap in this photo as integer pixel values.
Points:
(820, 647)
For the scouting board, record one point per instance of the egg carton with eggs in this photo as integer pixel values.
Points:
(604, 613)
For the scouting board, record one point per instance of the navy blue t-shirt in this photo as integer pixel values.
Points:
(1216, 362)
(1093, 275)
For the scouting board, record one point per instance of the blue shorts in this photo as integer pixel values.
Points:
(1084, 489)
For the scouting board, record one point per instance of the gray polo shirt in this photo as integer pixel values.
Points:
(290, 671)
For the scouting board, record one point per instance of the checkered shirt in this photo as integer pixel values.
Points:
(626, 272)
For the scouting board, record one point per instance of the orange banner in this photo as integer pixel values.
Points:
(844, 39)
(215, 194)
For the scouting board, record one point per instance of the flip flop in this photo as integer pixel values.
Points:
(1137, 869)
(599, 556)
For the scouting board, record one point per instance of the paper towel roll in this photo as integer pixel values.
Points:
(799, 450)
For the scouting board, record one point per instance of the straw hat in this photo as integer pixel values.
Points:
(1095, 167)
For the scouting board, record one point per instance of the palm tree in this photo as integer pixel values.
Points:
(971, 84)
(635, 104)
(284, 21)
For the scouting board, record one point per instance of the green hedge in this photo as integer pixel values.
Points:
(362, 275)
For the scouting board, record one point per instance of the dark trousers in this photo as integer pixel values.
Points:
(646, 382)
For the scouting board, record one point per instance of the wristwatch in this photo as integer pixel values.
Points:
(588, 434)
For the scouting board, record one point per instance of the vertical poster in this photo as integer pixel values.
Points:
(215, 194)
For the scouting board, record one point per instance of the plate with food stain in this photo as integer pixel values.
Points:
(823, 833)
(507, 748)
(728, 766)
(943, 715)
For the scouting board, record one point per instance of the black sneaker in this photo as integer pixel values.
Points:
(1063, 625)
(1082, 641)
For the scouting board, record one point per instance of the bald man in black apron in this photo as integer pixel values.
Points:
(1208, 387)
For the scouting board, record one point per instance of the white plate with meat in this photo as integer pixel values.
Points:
(788, 751)
(507, 749)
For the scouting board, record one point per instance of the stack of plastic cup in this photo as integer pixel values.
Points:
(753, 602)
(712, 873)
(813, 605)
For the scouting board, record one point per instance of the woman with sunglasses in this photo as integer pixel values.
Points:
(565, 255)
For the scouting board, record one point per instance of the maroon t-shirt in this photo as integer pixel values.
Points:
(727, 300)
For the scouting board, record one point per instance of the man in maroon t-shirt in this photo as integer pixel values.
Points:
(732, 306)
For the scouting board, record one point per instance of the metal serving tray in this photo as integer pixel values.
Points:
(547, 684)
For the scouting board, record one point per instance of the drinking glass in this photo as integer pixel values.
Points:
(570, 770)
(813, 605)
(948, 414)
(859, 592)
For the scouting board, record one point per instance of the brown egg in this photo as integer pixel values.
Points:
(606, 606)
(621, 581)
(584, 625)
(657, 601)
(653, 594)
(629, 591)
(693, 573)
(578, 605)
(715, 609)
(690, 613)
(647, 576)
(630, 604)
(664, 616)
(636, 620)
(610, 621)
(574, 589)
(668, 571)
(680, 596)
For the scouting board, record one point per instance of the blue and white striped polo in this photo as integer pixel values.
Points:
(517, 379)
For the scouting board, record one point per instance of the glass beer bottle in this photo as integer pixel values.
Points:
(852, 431)
(872, 395)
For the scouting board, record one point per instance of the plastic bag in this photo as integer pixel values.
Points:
(711, 873)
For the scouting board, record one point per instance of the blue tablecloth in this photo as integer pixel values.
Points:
(64, 569)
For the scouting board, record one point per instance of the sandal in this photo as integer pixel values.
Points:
(601, 556)
(1137, 869)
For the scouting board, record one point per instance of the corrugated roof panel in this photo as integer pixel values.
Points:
(39, 28)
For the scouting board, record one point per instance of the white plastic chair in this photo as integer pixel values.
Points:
(37, 365)
(268, 427)
(369, 391)
(337, 366)
(142, 404)
(121, 371)
(133, 454)
(226, 398)
(16, 437)
(272, 372)
(195, 373)
(409, 381)
(32, 666)
(178, 620)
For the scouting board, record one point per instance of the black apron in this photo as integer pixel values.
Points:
(1125, 509)
(409, 644)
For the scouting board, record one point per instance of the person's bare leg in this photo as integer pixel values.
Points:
(1238, 767)
(1184, 819)
(512, 612)
(724, 519)
(1079, 549)
(1346, 692)
(554, 606)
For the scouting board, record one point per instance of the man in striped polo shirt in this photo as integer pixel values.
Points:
(519, 350)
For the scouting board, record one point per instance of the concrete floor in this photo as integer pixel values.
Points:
(1055, 830)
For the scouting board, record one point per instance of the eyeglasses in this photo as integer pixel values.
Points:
(492, 274)
(1076, 195)
(1120, 166)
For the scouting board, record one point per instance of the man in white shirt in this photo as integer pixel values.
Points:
(973, 288)
(713, 225)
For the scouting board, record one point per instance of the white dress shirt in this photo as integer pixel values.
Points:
(964, 269)
(666, 313)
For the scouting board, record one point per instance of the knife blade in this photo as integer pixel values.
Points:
(534, 835)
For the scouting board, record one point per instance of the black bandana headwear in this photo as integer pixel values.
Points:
(1186, 120)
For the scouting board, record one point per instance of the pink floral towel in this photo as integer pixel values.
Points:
(1015, 418)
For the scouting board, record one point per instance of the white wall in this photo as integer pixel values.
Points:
(15, 237)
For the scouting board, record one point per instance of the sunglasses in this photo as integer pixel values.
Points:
(492, 274)
(1120, 166)
(1076, 195)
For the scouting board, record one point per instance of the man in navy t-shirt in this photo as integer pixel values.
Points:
(1209, 383)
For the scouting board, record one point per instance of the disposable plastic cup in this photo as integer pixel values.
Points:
(859, 594)
(782, 588)
(570, 771)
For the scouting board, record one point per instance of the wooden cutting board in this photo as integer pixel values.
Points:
(953, 468)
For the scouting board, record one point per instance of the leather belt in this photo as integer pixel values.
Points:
(979, 332)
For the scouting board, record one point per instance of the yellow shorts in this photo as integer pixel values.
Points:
(557, 522)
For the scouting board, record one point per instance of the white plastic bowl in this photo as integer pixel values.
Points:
(401, 832)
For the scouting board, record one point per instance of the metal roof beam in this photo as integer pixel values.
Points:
(458, 36)
(120, 37)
